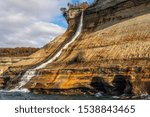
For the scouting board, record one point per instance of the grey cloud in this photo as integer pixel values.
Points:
(27, 22)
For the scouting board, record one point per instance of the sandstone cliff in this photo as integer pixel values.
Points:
(111, 55)
(10, 56)
(17, 52)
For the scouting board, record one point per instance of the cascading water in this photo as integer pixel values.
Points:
(32, 72)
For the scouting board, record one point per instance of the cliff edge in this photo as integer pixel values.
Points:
(111, 55)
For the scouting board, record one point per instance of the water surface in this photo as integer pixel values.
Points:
(4, 95)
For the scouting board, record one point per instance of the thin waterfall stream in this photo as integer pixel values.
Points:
(32, 72)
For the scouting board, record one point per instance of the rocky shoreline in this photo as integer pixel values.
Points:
(111, 55)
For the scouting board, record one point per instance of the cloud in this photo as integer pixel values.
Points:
(28, 22)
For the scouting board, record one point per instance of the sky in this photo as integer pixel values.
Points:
(31, 23)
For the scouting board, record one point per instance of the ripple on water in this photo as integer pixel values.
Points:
(12, 95)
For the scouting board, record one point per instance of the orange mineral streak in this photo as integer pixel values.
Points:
(115, 40)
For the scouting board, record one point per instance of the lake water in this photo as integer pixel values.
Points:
(4, 95)
(31, 96)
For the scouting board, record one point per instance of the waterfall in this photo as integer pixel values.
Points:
(32, 72)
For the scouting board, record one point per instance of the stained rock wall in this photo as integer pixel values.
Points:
(111, 55)
(114, 42)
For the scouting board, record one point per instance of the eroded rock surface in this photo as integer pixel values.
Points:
(111, 55)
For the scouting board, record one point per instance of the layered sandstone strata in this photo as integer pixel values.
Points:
(111, 55)
(14, 72)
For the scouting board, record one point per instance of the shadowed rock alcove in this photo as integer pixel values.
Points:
(100, 85)
(121, 85)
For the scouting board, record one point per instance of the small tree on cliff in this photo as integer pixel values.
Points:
(70, 5)
(63, 11)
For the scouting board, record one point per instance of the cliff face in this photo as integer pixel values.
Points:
(11, 72)
(111, 55)
(10, 56)
(17, 52)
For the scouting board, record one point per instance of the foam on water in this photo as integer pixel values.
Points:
(99, 94)
(23, 90)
